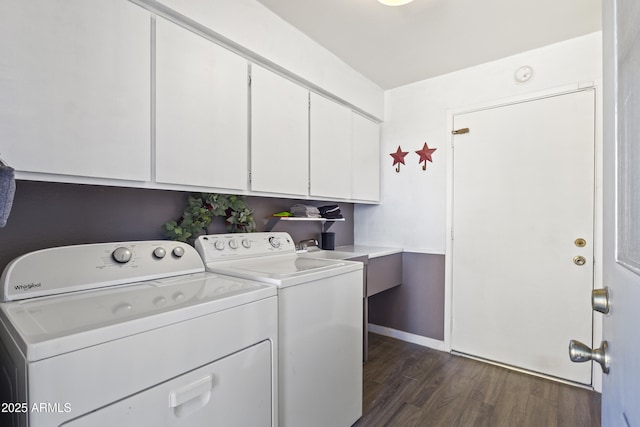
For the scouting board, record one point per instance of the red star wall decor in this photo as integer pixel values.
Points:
(425, 154)
(398, 157)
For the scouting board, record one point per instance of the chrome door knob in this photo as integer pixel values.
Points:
(579, 352)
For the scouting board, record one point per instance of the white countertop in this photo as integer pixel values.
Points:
(370, 251)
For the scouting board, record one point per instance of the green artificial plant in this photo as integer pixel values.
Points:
(202, 208)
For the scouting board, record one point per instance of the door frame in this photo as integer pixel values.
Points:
(598, 179)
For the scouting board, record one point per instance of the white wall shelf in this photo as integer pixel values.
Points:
(326, 222)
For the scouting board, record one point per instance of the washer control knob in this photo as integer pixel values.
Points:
(121, 255)
(233, 244)
(275, 242)
(219, 245)
(159, 252)
(159, 301)
(178, 251)
(246, 243)
(178, 296)
(123, 308)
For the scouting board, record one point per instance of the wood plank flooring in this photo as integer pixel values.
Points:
(409, 385)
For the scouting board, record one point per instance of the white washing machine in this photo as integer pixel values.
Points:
(319, 323)
(134, 334)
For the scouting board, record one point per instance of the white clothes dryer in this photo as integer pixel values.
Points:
(134, 334)
(319, 323)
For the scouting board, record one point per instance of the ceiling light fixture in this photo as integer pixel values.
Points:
(394, 2)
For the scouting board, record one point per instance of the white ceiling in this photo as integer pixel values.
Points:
(394, 46)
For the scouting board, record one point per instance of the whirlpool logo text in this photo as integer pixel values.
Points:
(27, 286)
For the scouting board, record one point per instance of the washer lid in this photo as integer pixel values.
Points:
(285, 270)
(46, 327)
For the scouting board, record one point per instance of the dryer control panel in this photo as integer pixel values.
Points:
(81, 267)
(224, 247)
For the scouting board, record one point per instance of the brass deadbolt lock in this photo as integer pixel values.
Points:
(579, 260)
(580, 242)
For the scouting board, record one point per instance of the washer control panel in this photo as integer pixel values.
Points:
(219, 247)
(80, 267)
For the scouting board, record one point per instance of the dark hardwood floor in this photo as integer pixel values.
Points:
(409, 385)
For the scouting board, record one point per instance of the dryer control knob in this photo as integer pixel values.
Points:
(178, 251)
(159, 252)
(219, 245)
(246, 243)
(121, 255)
(233, 244)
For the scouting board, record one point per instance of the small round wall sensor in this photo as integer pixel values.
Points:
(523, 74)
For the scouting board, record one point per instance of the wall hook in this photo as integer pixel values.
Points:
(425, 154)
(398, 158)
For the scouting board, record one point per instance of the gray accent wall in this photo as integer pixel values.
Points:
(46, 214)
(416, 306)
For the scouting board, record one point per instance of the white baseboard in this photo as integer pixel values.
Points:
(406, 336)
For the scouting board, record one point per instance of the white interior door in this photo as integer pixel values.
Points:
(523, 193)
(621, 388)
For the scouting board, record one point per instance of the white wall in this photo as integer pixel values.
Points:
(260, 31)
(412, 212)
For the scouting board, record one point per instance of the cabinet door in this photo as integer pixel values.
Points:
(366, 159)
(75, 87)
(279, 134)
(330, 148)
(201, 111)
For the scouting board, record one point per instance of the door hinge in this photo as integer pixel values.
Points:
(460, 131)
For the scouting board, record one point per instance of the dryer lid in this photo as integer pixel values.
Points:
(45, 327)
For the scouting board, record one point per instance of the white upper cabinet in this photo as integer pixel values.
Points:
(201, 111)
(75, 88)
(330, 148)
(279, 134)
(344, 153)
(365, 185)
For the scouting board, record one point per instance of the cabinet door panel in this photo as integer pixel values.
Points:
(279, 134)
(201, 111)
(75, 87)
(366, 159)
(330, 149)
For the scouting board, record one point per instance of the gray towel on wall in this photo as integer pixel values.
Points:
(7, 191)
